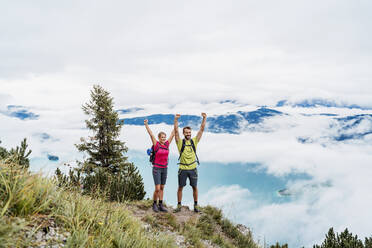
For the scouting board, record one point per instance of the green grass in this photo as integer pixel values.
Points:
(207, 226)
(10, 228)
(91, 222)
(163, 221)
(192, 233)
(26, 199)
(24, 194)
(213, 226)
(214, 213)
(221, 242)
(240, 240)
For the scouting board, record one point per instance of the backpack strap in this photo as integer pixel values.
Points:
(182, 148)
(164, 148)
(153, 153)
(193, 147)
(153, 148)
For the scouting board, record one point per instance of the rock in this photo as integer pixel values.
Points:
(39, 236)
(243, 229)
(185, 208)
(207, 243)
(179, 239)
(147, 227)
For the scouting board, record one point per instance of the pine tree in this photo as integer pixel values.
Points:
(107, 170)
(368, 242)
(18, 155)
(3, 152)
(71, 181)
(343, 240)
(277, 245)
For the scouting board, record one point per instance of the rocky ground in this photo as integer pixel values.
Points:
(171, 223)
(44, 231)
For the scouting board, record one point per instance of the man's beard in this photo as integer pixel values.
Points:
(188, 137)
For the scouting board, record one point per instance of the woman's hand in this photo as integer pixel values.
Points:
(146, 122)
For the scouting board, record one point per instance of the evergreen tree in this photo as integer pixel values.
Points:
(71, 181)
(343, 240)
(18, 155)
(277, 245)
(3, 152)
(107, 170)
(368, 242)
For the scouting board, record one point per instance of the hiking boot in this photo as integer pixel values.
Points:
(155, 207)
(196, 209)
(178, 209)
(162, 208)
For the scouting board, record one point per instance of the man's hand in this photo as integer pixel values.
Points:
(176, 133)
(202, 126)
(146, 122)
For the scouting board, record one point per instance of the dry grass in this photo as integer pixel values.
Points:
(91, 222)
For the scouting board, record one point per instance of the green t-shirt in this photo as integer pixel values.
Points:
(188, 157)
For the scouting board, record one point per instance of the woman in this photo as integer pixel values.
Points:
(160, 164)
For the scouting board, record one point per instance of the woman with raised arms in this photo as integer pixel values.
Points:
(160, 166)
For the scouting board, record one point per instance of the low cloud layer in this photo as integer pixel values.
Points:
(336, 192)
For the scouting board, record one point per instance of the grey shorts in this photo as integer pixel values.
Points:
(159, 175)
(191, 174)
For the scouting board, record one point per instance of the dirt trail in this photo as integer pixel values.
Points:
(145, 214)
(183, 216)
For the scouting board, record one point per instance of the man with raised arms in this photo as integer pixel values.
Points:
(188, 160)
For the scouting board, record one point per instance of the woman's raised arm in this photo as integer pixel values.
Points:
(171, 137)
(153, 139)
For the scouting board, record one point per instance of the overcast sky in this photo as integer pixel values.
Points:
(256, 51)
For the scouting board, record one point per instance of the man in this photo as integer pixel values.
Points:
(188, 160)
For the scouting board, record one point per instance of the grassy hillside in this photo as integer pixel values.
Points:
(35, 212)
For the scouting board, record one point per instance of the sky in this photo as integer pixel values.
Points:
(186, 57)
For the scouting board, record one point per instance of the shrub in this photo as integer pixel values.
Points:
(343, 240)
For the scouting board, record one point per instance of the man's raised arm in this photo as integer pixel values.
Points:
(176, 133)
(202, 126)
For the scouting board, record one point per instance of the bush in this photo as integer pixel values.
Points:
(206, 225)
(240, 239)
(277, 245)
(344, 240)
(22, 193)
(18, 155)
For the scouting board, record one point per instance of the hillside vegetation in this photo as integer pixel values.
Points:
(35, 212)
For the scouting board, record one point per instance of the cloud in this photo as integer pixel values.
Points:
(225, 195)
(232, 199)
(254, 52)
